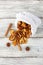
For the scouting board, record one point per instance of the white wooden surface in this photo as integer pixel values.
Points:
(8, 9)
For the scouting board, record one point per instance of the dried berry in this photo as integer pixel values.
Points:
(27, 48)
(8, 44)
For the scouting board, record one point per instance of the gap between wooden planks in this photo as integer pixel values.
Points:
(39, 33)
(35, 43)
(10, 8)
(36, 49)
(20, 61)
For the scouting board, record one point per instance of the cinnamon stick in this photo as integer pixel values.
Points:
(10, 25)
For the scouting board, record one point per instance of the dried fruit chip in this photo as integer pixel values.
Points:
(19, 22)
(11, 37)
(24, 24)
(23, 40)
(12, 31)
(21, 35)
(14, 42)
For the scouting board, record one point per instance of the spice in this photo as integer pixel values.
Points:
(27, 48)
(10, 25)
(8, 44)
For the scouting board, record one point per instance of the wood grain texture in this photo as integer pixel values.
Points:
(10, 8)
(8, 56)
(3, 28)
(20, 61)
(36, 48)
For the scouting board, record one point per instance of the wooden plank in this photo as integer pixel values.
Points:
(36, 48)
(3, 27)
(20, 61)
(10, 8)
(21, 0)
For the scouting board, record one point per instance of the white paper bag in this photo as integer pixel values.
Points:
(29, 18)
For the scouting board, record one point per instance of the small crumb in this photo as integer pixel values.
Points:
(8, 44)
(27, 48)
